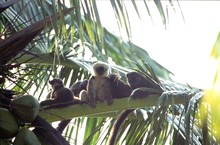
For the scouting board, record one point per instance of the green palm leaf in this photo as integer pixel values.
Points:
(66, 45)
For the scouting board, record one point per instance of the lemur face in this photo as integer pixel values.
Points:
(56, 82)
(134, 79)
(101, 69)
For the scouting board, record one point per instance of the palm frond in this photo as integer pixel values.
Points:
(68, 46)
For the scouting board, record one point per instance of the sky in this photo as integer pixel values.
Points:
(184, 46)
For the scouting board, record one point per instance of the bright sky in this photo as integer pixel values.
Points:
(183, 48)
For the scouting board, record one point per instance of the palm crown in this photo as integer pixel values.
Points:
(41, 40)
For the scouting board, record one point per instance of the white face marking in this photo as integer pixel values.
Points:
(100, 64)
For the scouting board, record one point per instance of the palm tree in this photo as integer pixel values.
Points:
(41, 40)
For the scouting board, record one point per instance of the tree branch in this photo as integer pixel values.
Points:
(52, 115)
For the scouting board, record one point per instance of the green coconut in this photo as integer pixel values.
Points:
(26, 137)
(8, 124)
(25, 108)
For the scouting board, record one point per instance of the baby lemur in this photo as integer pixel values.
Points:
(59, 97)
(98, 87)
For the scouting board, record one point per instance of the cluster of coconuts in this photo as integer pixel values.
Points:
(23, 109)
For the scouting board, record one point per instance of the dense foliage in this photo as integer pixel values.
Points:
(41, 40)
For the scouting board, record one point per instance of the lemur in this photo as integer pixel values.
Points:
(98, 87)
